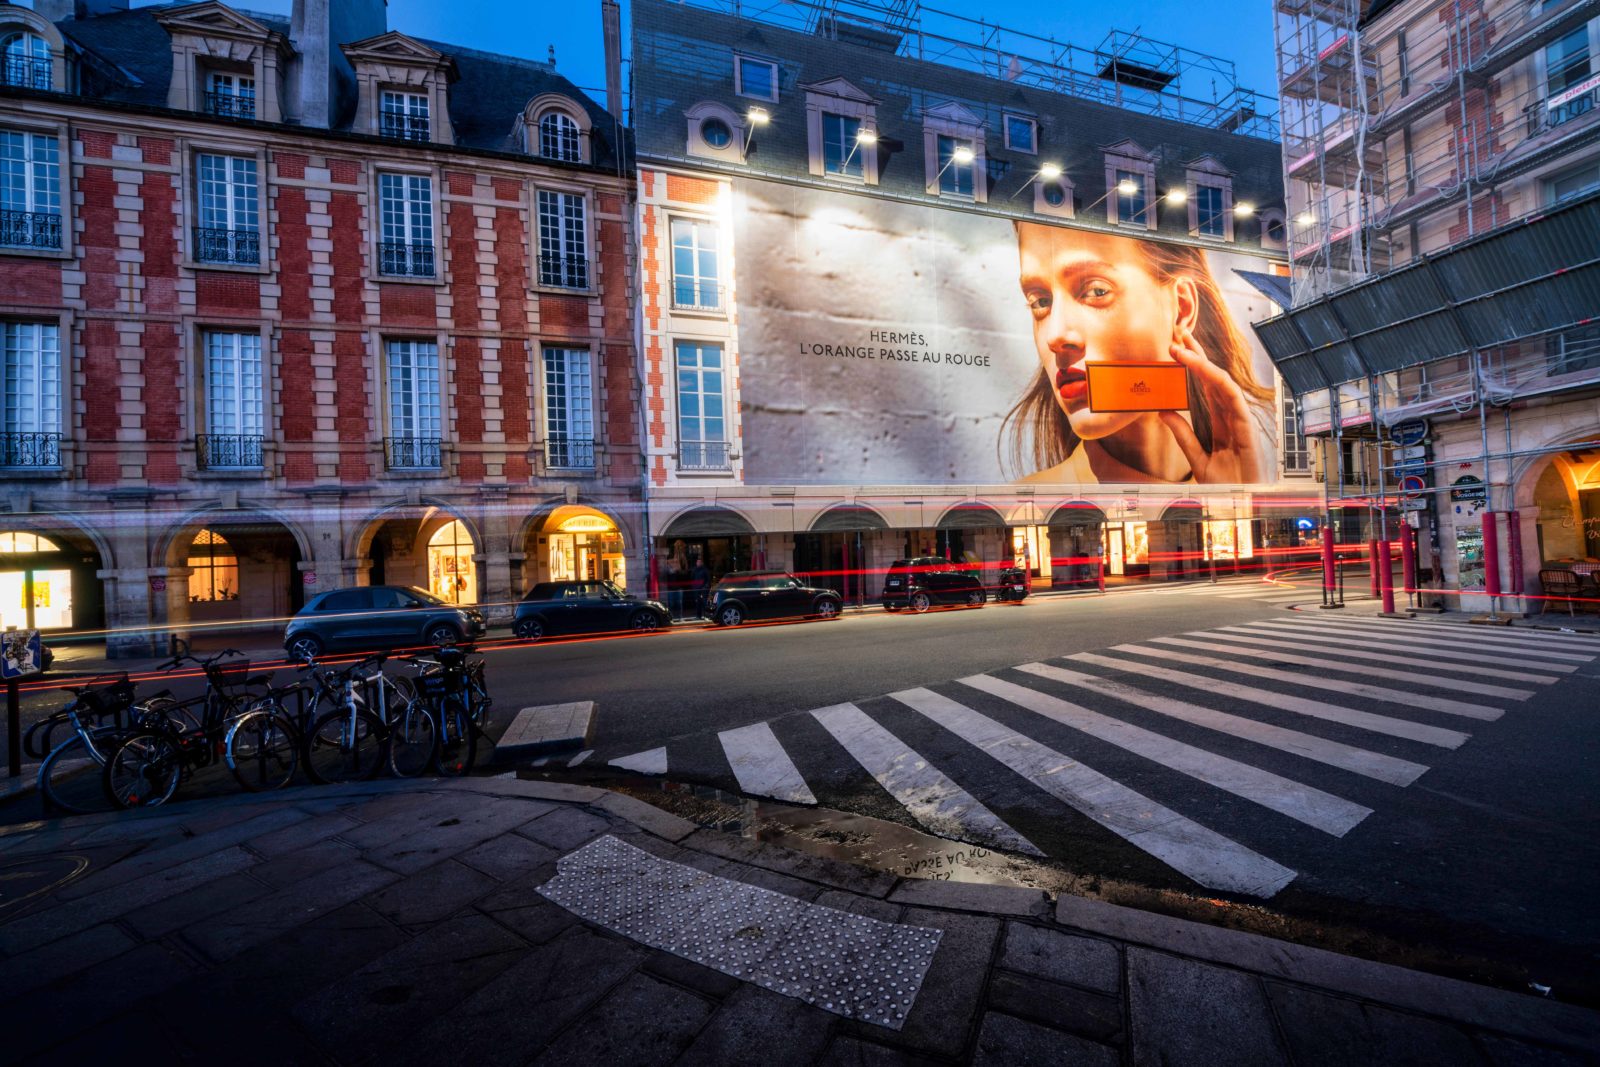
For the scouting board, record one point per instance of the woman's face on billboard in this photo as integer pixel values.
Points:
(1094, 300)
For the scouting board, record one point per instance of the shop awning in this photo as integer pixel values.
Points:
(709, 522)
(970, 517)
(848, 520)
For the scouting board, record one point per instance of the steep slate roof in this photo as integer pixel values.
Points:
(128, 59)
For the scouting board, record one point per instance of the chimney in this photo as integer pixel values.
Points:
(322, 86)
(611, 28)
(61, 10)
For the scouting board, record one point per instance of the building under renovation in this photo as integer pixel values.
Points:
(1442, 165)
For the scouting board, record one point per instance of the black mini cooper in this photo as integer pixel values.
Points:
(747, 595)
(920, 584)
(554, 609)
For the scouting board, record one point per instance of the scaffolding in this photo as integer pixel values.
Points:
(1126, 70)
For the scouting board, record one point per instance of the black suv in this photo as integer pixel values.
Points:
(768, 595)
(552, 608)
(378, 616)
(919, 584)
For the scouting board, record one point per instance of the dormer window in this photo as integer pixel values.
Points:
(404, 116)
(841, 145)
(1022, 134)
(1210, 189)
(558, 137)
(755, 78)
(841, 132)
(27, 61)
(230, 95)
(955, 153)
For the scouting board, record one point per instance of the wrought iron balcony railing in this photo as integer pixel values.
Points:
(565, 272)
(702, 455)
(413, 453)
(28, 72)
(217, 452)
(230, 105)
(689, 294)
(1542, 117)
(405, 260)
(30, 229)
(227, 246)
(30, 449)
(404, 127)
(569, 453)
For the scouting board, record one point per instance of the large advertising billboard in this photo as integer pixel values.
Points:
(892, 343)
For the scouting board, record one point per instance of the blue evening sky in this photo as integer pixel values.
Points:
(1239, 33)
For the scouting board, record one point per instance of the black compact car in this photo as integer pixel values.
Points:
(921, 583)
(559, 608)
(746, 595)
(378, 617)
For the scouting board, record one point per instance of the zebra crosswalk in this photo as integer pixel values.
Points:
(1253, 588)
(1229, 755)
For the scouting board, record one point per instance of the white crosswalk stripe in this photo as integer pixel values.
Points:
(1389, 769)
(1543, 658)
(1293, 630)
(1449, 637)
(1339, 666)
(762, 766)
(922, 789)
(1260, 635)
(1204, 855)
(1371, 692)
(1509, 634)
(1316, 709)
(1302, 803)
(651, 762)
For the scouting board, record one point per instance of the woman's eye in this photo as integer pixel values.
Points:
(1039, 301)
(1095, 292)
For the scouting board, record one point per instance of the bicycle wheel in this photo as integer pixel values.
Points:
(262, 749)
(458, 739)
(142, 772)
(412, 739)
(342, 748)
(69, 777)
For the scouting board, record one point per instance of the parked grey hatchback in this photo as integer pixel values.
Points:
(372, 617)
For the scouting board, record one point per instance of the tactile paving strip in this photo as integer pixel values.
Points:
(848, 964)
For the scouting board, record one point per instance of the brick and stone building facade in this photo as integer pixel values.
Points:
(297, 304)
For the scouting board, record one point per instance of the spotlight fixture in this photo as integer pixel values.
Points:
(1244, 211)
(1049, 171)
(962, 155)
(758, 116)
(1127, 187)
(866, 137)
(1177, 196)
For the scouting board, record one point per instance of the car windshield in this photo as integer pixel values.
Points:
(613, 591)
(423, 595)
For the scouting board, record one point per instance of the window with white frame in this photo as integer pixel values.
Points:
(757, 78)
(563, 240)
(1022, 134)
(230, 95)
(559, 138)
(1210, 216)
(568, 408)
(26, 61)
(841, 145)
(1296, 456)
(1568, 66)
(235, 409)
(229, 221)
(955, 177)
(405, 208)
(702, 425)
(1574, 182)
(1131, 206)
(414, 399)
(30, 395)
(696, 283)
(30, 190)
(403, 115)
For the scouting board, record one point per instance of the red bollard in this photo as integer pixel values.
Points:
(1387, 584)
(1408, 557)
(1329, 578)
(1372, 560)
(1491, 554)
(1514, 550)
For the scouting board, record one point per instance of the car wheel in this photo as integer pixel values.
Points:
(645, 622)
(441, 634)
(827, 608)
(730, 615)
(304, 648)
(920, 602)
(529, 629)
(975, 598)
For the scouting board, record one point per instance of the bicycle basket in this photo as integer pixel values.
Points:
(107, 699)
(228, 673)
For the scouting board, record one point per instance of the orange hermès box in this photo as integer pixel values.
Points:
(1137, 386)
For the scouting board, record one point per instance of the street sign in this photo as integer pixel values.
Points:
(1469, 489)
(1409, 432)
(21, 653)
(1413, 503)
(1412, 484)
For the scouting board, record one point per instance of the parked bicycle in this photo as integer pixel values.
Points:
(356, 737)
(74, 743)
(452, 685)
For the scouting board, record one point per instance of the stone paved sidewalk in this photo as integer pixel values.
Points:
(402, 923)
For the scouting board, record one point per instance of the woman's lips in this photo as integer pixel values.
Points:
(1071, 383)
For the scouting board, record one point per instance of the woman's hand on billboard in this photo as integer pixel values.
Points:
(1236, 454)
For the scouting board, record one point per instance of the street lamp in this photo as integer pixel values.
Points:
(756, 116)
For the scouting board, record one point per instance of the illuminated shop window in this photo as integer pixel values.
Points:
(452, 572)
(214, 569)
(26, 542)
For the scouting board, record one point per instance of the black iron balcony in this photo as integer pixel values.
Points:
(412, 453)
(565, 272)
(1542, 117)
(702, 455)
(30, 449)
(28, 72)
(227, 246)
(404, 127)
(231, 105)
(217, 452)
(30, 229)
(690, 294)
(405, 260)
(569, 453)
